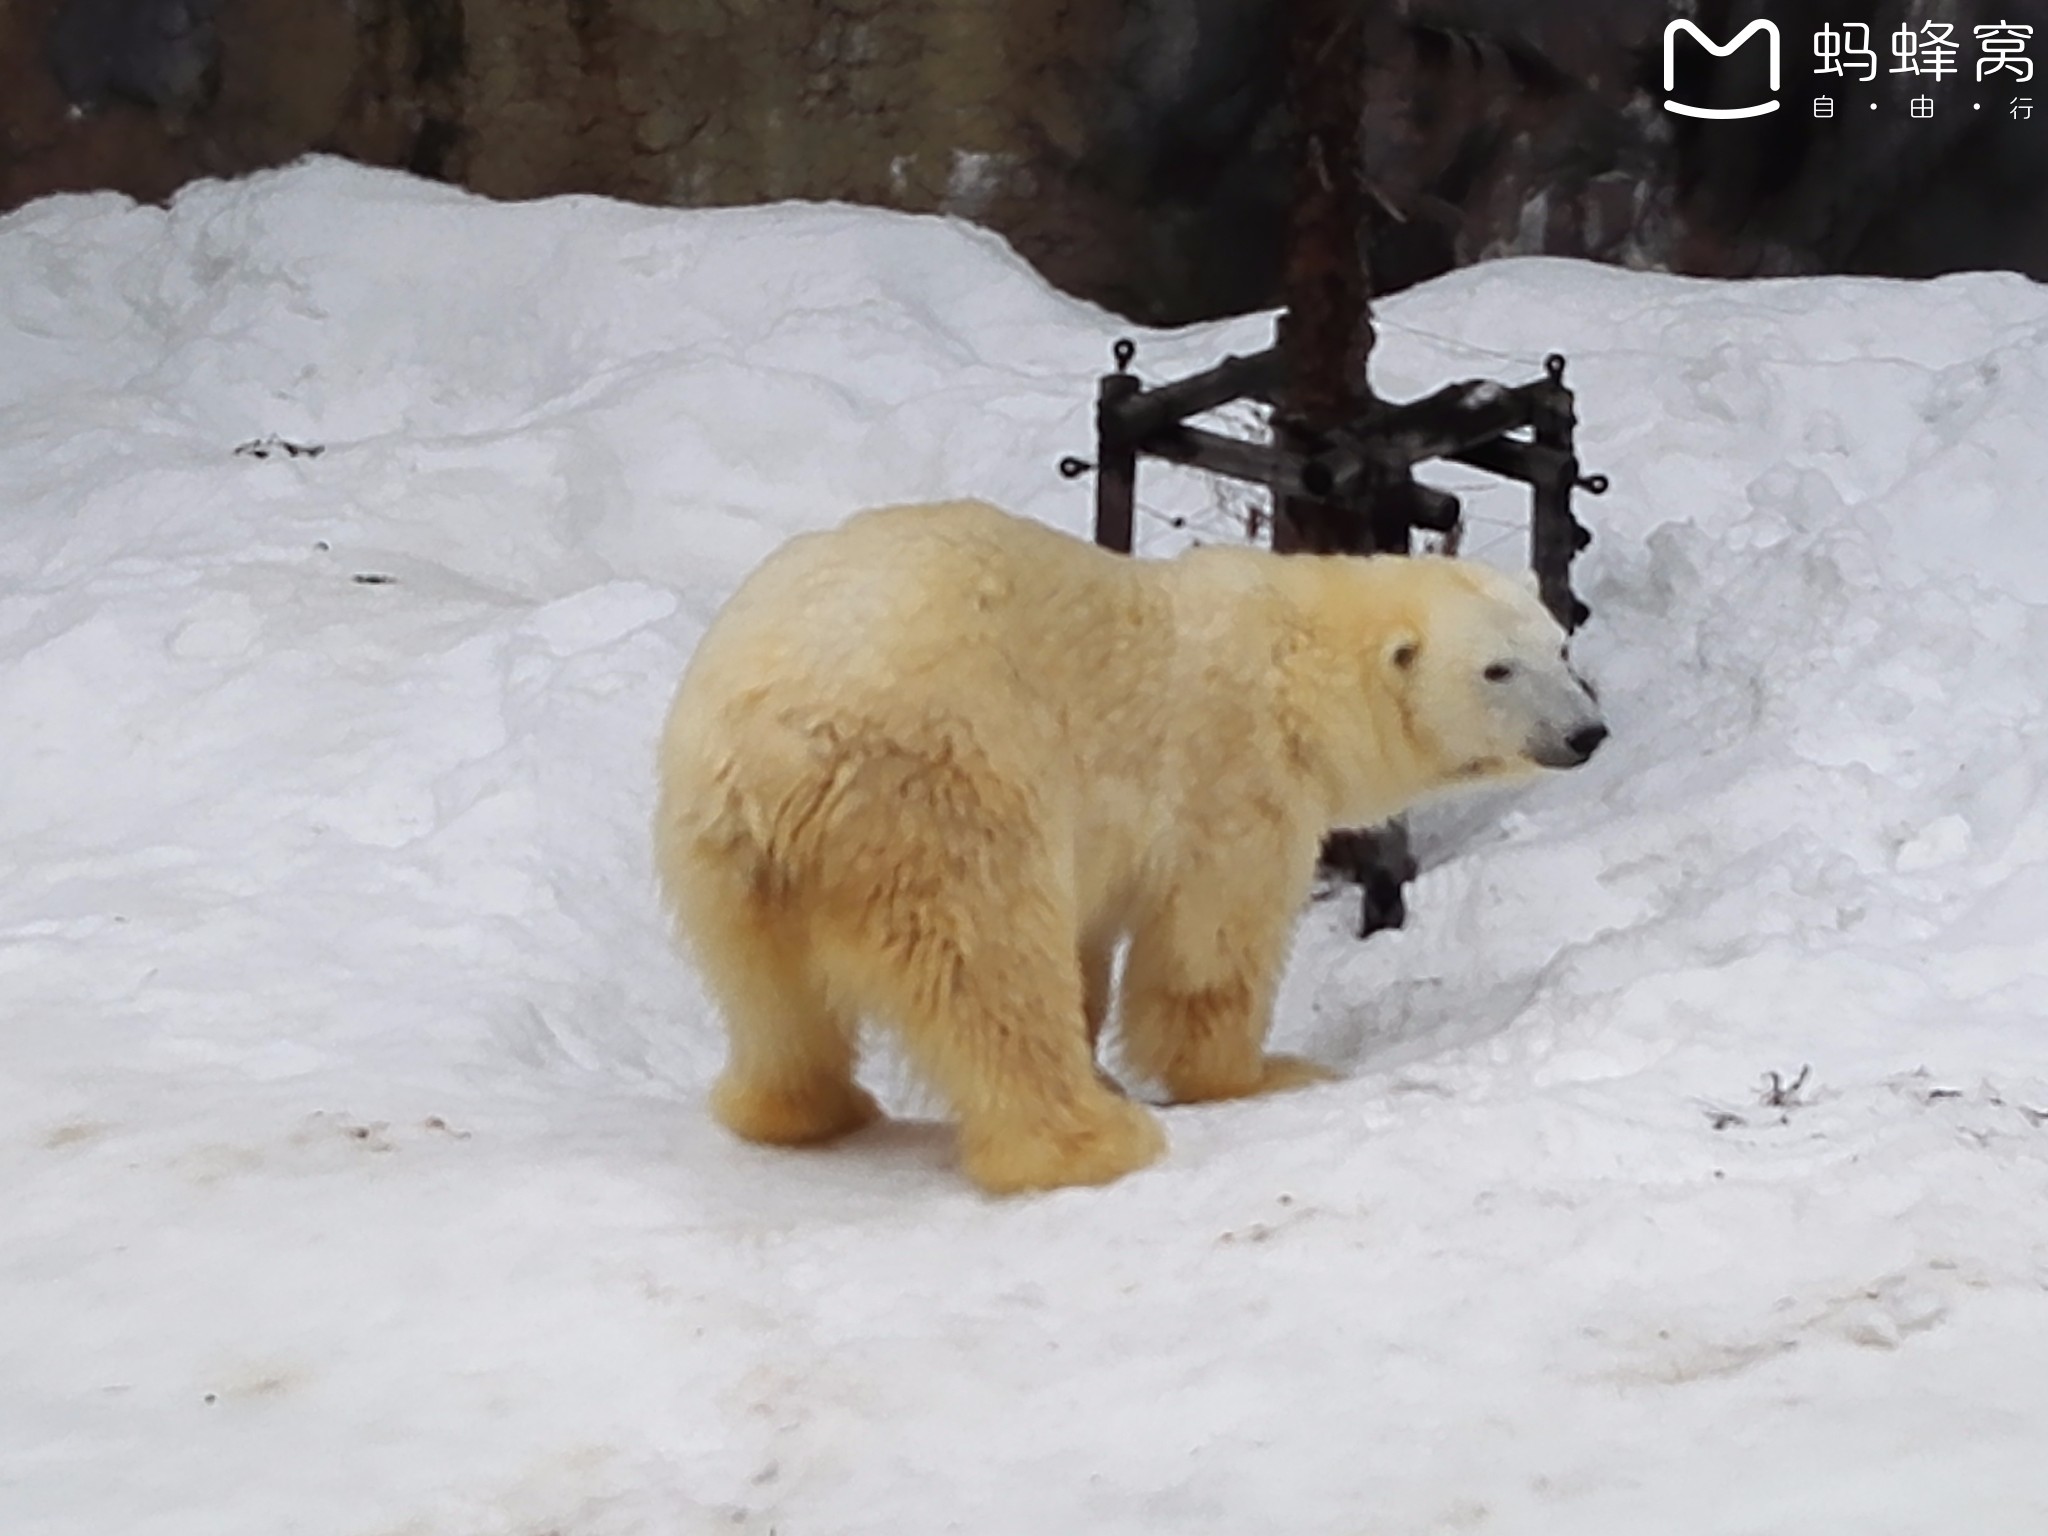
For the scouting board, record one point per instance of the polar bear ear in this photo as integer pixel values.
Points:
(1402, 650)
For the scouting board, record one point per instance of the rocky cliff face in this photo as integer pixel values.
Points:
(1136, 150)
(954, 105)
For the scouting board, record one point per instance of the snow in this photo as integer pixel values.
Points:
(357, 1175)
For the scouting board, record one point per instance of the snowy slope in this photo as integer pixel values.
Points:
(356, 1176)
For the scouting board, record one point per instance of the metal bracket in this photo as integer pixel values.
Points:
(1363, 472)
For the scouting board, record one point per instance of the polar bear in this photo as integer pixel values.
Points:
(931, 768)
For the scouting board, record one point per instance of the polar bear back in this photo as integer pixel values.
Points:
(899, 598)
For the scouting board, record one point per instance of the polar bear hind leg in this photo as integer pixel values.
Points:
(788, 1078)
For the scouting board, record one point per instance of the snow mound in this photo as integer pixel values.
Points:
(351, 1094)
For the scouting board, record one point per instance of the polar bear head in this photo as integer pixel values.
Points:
(1478, 668)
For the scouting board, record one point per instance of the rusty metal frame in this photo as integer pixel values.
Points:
(1364, 471)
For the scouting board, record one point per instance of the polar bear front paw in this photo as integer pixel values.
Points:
(1271, 1074)
(1278, 1074)
(1117, 1137)
(801, 1114)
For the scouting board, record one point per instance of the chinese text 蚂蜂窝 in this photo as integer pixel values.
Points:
(1929, 50)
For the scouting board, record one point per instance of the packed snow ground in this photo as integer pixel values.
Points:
(354, 1171)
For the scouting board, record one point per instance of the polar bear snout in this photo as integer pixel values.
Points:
(1585, 741)
(1569, 748)
(1553, 712)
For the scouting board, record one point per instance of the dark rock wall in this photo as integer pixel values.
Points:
(1886, 195)
(1136, 150)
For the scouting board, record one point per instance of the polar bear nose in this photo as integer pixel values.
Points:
(1585, 741)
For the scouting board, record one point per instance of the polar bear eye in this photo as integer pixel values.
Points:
(1499, 672)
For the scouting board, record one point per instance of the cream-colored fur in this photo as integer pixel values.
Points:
(931, 768)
